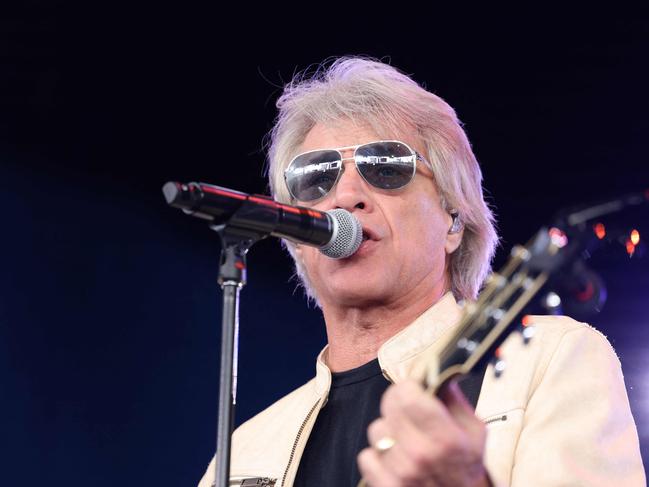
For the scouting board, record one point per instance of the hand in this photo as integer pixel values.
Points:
(437, 444)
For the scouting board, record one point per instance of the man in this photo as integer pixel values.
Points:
(361, 136)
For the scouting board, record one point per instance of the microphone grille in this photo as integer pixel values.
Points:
(347, 235)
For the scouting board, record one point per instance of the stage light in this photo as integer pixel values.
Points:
(600, 230)
(635, 237)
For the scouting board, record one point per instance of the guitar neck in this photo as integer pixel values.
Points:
(487, 322)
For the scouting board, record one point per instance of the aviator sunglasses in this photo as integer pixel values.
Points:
(385, 164)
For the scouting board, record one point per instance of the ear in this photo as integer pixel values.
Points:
(455, 232)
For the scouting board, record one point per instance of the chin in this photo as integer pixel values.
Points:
(348, 282)
(358, 292)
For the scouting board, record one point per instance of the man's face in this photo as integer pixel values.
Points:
(404, 257)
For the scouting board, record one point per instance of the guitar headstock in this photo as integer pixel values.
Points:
(487, 322)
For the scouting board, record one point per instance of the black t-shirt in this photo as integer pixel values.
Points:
(340, 430)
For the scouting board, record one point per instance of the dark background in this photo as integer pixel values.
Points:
(109, 306)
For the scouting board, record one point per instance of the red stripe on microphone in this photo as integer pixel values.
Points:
(221, 192)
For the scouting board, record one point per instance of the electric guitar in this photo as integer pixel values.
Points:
(487, 322)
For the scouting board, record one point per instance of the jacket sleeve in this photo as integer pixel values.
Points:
(578, 428)
(208, 476)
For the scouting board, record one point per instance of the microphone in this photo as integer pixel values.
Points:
(337, 233)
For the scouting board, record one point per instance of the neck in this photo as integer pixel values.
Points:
(355, 334)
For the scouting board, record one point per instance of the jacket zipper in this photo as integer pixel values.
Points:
(497, 418)
(297, 439)
(240, 480)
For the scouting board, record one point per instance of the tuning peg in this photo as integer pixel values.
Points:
(528, 334)
(527, 329)
(499, 363)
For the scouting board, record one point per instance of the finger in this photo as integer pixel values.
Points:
(422, 426)
(409, 401)
(412, 455)
(458, 406)
(373, 471)
(377, 430)
(409, 451)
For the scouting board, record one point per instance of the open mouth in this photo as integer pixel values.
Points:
(366, 243)
(368, 234)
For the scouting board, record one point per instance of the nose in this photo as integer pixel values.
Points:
(352, 191)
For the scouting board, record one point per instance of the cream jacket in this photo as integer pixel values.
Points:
(558, 415)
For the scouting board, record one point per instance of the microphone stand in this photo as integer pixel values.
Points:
(241, 220)
(232, 277)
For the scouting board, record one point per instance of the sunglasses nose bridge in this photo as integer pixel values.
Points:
(351, 188)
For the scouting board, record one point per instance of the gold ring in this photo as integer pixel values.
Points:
(384, 444)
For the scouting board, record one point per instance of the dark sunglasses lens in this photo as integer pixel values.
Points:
(312, 175)
(386, 165)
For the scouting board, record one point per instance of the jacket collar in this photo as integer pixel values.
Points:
(399, 356)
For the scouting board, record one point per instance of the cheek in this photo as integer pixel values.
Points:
(310, 256)
(422, 235)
